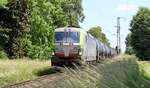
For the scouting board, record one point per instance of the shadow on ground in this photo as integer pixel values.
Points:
(47, 71)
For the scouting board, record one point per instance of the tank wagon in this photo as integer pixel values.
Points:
(78, 46)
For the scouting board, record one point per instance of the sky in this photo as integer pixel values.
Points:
(104, 13)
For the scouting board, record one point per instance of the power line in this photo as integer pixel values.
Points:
(111, 33)
(114, 34)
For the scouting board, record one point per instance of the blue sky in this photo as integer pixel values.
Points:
(104, 13)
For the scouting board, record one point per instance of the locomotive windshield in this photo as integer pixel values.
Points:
(72, 37)
(60, 37)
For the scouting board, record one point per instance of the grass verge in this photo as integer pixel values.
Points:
(14, 71)
(120, 72)
(145, 68)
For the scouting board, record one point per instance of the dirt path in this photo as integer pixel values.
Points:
(42, 82)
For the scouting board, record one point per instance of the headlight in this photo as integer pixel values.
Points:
(53, 53)
(80, 53)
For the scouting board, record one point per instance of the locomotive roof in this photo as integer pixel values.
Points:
(73, 29)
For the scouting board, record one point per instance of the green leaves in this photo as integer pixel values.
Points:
(97, 33)
(14, 19)
(3, 3)
(44, 17)
(32, 24)
(140, 29)
(129, 48)
(73, 11)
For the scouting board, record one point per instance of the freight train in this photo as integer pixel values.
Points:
(75, 45)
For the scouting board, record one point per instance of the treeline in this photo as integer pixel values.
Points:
(138, 41)
(27, 26)
(97, 33)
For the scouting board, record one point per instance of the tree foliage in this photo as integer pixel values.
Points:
(73, 11)
(97, 33)
(3, 3)
(44, 17)
(13, 21)
(129, 48)
(27, 26)
(140, 29)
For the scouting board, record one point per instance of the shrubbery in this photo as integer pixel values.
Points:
(39, 52)
(3, 54)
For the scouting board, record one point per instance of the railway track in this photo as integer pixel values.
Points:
(47, 81)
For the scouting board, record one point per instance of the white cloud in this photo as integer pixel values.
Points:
(127, 8)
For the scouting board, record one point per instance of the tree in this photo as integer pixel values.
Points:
(44, 17)
(97, 33)
(3, 3)
(129, 48)
(13, 20)
(140, 29)
(128, 40)
(28, 25)
(73, 11)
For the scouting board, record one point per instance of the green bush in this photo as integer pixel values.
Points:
(129, 50)
(3, 55)
(39, 52)
(3, 3)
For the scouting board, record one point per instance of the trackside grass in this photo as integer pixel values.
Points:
(145, 68)
(120, 72)
(14, 71)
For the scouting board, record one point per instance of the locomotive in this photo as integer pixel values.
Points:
(75, 45)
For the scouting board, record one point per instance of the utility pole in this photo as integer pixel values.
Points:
(118, 47)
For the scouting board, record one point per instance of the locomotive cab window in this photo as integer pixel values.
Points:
(60, 37)
(73, 37)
